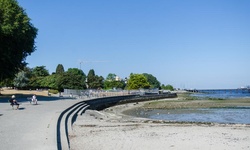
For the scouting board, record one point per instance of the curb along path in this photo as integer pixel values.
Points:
(64, 124)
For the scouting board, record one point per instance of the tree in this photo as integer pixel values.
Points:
(111, 82)
(52, 82)
(72, 79)
(114, 84)
(21, 80)
(91, 73)
(154, 83)
(40, 71)
(38, 74)
(28, 71)
(97, 82)
(94, 81)
(91, 78)
(167, 87)
(137, 81)
(36, 82)
(59, 69)
(8, 82)
(111, 77)
(17, 36)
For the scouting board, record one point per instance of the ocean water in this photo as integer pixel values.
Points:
(224, 93)
(239, 115)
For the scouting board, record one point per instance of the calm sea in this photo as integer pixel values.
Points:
(239, 115)
(225, 93)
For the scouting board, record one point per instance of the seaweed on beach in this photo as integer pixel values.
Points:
(213, 98)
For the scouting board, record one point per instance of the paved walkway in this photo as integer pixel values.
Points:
(32, 127)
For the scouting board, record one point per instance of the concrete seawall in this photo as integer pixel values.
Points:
(69, 115)
(102, 103)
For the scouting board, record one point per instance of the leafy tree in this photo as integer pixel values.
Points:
(76, 71)
(167, 87)
(51, 82)
(111, 77)
(137, 81)
(40, 71)
(17, 36)
(72, 79)
(36, 82)
(21, 80)
(154, 83)
(8, 82)
(91, 78)
(91, 74)
(94, 81)
(28, 72)
(97, 82)
(114, 84)
(38, 74)
(59, 69)
(111, 82)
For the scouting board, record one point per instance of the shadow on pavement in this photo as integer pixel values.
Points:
(23, 98)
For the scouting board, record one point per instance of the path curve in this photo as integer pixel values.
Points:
(32, 126)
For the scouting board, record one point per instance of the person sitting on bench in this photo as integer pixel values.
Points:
(34, 99)
(13, 102)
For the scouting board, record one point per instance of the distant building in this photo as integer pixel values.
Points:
(117, 78)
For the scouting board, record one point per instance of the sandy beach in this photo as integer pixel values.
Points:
(110, 129)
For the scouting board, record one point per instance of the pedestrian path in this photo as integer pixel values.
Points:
(32, 127)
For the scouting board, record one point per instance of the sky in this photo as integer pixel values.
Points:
(192, 44)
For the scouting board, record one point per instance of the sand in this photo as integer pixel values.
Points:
(112, 130)
(8, 92)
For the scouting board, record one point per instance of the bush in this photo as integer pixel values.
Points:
(53, 91)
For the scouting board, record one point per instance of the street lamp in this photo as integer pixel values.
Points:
(81, 65)
(86, 82)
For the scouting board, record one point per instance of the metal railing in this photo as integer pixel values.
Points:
(89, 93)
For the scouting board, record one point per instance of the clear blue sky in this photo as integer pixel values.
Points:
(200, 44)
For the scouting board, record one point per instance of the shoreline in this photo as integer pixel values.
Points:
(175, 104)
(111, 129)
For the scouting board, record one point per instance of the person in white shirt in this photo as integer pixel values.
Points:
(34, 99)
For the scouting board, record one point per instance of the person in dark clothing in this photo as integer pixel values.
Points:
(13, 102)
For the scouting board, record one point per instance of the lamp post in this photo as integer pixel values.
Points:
(86, 82)
(126, 81)
(81, 65)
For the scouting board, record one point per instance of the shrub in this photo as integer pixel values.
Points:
(53, 91)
